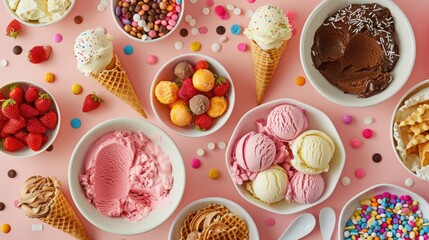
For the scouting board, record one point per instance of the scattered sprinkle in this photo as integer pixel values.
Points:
(50, 148)
(270, 222)
(230, 6)
(214, 173)
(368, 120)
(347, 119)
(237, 11)
(409, 182)
(360, 173)
(179, 45)
(5, 228)
(128, 49)
(206, 11)
(2, 206)
(3, 63)
(192, 22)
(356, 143)
(183, 32)
(367, 133)
(11, 173)
(235, 29)
(216, 47)
(17, 50)
(49, 77)
(209, 3)
(300, 81)
(188, 18)
(224, 16)
(37, 227)
(345, 181)
(193, 1)
(75, 123)
(203, 30)
(195, 46)
(78, 19)
(223, 38)
(220, 10)
(76, 89)
(220, 30)
(211, 146)
(200, 152)
(151, 59)
(195, 163)
(194, 31)
(376, 157)
(221, 145)
(242, 47)
(57, 38)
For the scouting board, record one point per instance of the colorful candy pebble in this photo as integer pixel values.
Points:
(195, 46)
(219, 10)
(347, 119)
(5, 228)
(214, 173)
(356, 143)
(367, 133)
(195, 163)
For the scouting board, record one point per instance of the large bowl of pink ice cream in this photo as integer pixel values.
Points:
(285, 156)
(126, 176)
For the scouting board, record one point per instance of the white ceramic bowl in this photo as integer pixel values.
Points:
(233, 207)
(52, 134)
(401, 72)
(418, 87)
(35, 23)
(316, 120)
(120, 25)
(120, 225)
(162, 112)
(350, 207)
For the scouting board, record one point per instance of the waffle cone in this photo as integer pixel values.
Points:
(115, 79)
(264, 66)
(63, 217)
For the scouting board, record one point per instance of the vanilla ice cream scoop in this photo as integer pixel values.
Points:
(255, 151)
(286, 122)
(93, 50)
(42, 11)
(270, 185)
(269, 27)
(312, 152)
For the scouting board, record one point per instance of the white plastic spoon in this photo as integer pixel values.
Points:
(327, 219)
(300, 227)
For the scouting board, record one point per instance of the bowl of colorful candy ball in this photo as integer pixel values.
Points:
(29, 119)
(193, 95)
(147, 20)
(384, 211)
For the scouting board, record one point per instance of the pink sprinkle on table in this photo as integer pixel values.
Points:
(360, 173)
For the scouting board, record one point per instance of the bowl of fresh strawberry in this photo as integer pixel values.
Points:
(29, 119)
(193, 95)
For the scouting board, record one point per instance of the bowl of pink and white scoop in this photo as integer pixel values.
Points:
(126, 176)
(289, 146)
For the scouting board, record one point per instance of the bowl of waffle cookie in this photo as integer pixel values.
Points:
(213, 218)
(410, 130)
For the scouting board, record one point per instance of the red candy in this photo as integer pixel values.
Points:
(220, 10)
(367, 133)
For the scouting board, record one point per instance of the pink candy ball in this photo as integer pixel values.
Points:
(367, 133)
(356, 142)
(270, 222)
(360, 173)
(220, 10)
(151, 59)
(195, 163)
(57, 38)
(242, 47)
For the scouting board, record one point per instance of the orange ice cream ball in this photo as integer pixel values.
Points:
(166, 92)
(180, 115)
(217, 107)
(203, 80)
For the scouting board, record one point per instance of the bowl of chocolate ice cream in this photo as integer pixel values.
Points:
(357, 53)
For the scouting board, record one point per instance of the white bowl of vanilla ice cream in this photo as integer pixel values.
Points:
(39, 13)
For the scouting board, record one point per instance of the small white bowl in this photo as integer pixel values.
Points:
(121, 225)
(416, 88)
(52, 134)
(400, 74)
(35, 23)
(120, 25)
(316, 120)
(162, 112)
(350, 207)
(233, 207)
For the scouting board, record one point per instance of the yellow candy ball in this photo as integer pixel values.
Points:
(300, 81)
(195, 46)
(49, 77)
(5, 228)
(214, 173)
(76, 89)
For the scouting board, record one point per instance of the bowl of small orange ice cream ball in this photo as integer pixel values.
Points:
(193, 95)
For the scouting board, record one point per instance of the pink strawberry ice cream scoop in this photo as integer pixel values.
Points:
(307, 188)
(286, 122)
(126, 175)
(255, 151)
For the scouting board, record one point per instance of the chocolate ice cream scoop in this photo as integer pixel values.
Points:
(356, 48)
(199, 104)
(183, 70)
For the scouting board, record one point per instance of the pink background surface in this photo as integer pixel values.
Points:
(62, 63)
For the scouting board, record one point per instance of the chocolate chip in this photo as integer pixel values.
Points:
(2, 206)
(376, 157)
(220, 30)
(183, 32)
(11, 173)
(78, 19)
(50, 148)
(17, 50)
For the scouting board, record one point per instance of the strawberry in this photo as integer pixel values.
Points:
(39, 54)
(203, 122)
(202, 64)
(10, 109)
(27, 110)
(208, 94)
(43, 102)
(4, 135)
(12, 144)
(34, 125)
(21, 135)
(12, 126)
(34, 141)
(187, 90)
(91, 102)
(49, 120)
(31, 94)
(44, 138)
(222, 86)
(13, 28)
(16, 93)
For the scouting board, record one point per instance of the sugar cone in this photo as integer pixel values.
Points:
(115, 79)
(264, 66)
(62, 216)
